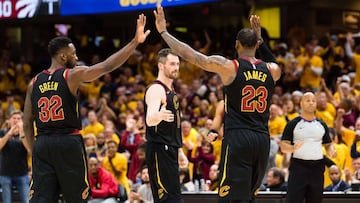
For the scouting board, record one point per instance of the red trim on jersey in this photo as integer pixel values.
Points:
(66, 74)
(48, 72)
(34, 79)
(257, 61)
(76, 132)
(236, 65)
(247, 59)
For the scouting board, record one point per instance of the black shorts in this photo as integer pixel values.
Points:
(59, 166)
(163, 166)
(244, 156)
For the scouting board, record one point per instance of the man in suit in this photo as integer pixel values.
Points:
(337, 183)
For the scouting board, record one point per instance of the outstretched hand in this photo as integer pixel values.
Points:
(160, 20)
(165, 114)
(140, 35)
(255, 25)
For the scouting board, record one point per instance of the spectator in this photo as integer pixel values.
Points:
(137, 162)
(337, 183)
(312, 67)
(355, 148)
(276, 121)
(104, 187)
(10, 104)
(143, 193)
(13, 159)
(289, 110)
(117, 164)
(203, 159)
(214, 177)
(130, 138)
(110, 134)
(90, 143)
(275, 180)
(94, 125)
(100, 146)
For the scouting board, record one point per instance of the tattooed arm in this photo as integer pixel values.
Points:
(217, 64)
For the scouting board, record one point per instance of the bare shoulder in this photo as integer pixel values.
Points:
(225, 67)
(154, 92)
(275, 70)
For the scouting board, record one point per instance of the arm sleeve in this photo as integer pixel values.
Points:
(288, 133)
(326, 138)
(266, 54)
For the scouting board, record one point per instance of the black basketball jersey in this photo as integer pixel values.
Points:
(55, 108)
(166, 132)
(247, 98)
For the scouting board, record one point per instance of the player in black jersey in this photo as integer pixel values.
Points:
(59, 161)
(248, 87)
(163, 132)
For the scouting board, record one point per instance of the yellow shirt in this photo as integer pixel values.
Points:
(95, 129)
(91, 89)
(192, 137)
(217, 149)
(276, 126)
(120, 163)
(339, 160)
(291, 116)
(326, 116)
(189, 69)
(308, 77)
(348, 138)
(356, 62)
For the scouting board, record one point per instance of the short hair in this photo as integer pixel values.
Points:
(278, 173)
(247, 37)
(58, 43)
(163, 53)
(112, 141)
(143, 167)
(16, 112)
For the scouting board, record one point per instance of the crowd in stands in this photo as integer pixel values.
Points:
(112, 111)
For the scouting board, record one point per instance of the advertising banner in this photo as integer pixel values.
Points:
(27, 8)
(77, 7)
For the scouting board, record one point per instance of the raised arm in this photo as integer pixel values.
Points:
(217, 64)
(81, 74)
(265, 52)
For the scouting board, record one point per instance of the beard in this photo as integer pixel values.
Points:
(145, 181)
(173, 75)
(70, 64)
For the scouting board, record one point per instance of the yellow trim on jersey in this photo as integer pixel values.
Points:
(225, 103)
(225, 162)
(158, 173)
(86, 170)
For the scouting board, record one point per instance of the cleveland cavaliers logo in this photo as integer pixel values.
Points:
(161, 193)
(224, 190)
(31, 193)
(85, 193)
(176, 102)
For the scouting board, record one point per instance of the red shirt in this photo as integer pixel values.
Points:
(105, 186)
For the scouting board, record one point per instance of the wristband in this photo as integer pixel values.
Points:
(162, 32)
